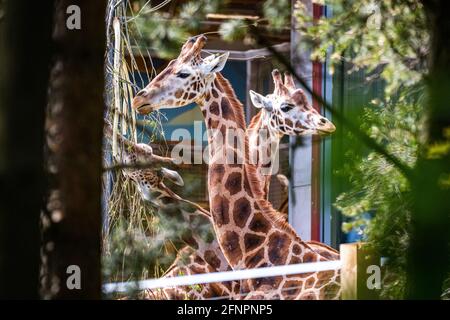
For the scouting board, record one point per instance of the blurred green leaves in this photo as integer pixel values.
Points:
(378, 188)
(165, 32)
(277, 13)
(233, 30)
(389, 41)
(368, 34)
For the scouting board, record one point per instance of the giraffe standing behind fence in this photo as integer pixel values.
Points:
(250, 232)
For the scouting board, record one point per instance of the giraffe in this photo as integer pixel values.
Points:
(250, 232)
(318, 247)
(149, 177)
(284, 112)
(202, 253)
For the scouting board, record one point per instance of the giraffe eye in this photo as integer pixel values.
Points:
(182, 75)
(286, 107)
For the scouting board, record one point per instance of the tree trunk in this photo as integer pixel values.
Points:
(428, 258)
(25, 37)
(74, 131)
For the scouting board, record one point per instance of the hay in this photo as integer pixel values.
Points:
(133, 244)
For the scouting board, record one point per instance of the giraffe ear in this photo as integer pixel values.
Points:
(216, 64)
(172, 176)
(259, 101)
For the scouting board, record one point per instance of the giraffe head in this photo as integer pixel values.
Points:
(183, 81)
(150, 181)
(287, 110)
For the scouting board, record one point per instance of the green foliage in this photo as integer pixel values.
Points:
(278, 13)
(163, 34)
(131, 251)
(377, 187)
(389, 41)
(233, 30)
(371, 33)
(132, 254)
(166, 32)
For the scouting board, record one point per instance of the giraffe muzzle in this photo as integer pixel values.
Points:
(328, 129)
(141, 105)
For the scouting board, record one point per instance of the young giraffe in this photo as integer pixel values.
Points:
(250, 232)
(202, 253)
(284, 112)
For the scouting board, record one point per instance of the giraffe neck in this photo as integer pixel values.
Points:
(197, 232)
(263, 148)
(192, 221)
(249, 231)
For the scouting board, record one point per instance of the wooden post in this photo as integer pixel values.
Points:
(360, 272)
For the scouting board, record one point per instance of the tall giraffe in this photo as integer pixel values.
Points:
(284, 112)
(250, 232)
(191, 261)
(202, 253)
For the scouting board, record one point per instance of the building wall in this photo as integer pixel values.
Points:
(300, 157)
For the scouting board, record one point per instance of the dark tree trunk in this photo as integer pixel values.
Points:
(25, 42)
(74, 130)
(428, 259)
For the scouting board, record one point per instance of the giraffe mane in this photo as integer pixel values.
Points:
(254, 121)
(323, 245)
(250, 171)
(235, 104)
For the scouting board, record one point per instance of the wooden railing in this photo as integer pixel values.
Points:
(360, 272)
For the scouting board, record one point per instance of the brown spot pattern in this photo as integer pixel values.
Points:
(309, 282)
(212, 259)
(241, 212)
(216, 172)
(214, 108)
(296, 249)
(227, 111)
(255, 258)
(309, 257)
(231, 246)
(234, 183)
(252, 241)
(220, 207)
(178, 94)
(198, 260)
(291, 288)
(278, 246)
(259, 223)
